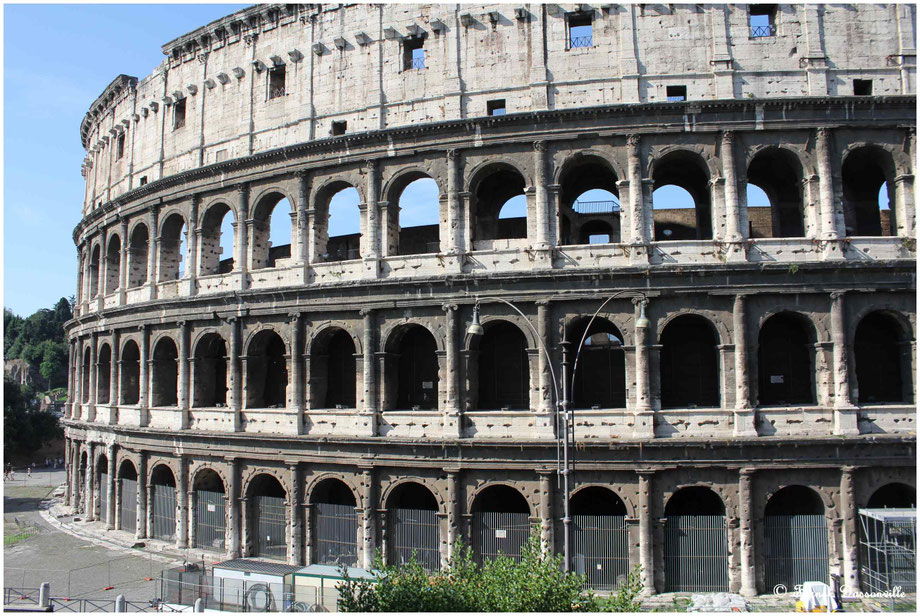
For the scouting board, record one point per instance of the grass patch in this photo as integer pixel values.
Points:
(38, 492)
(20, 535)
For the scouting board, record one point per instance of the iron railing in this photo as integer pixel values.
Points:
(500, 533)
(276, 92)
(20, 596)
(596, 207)
(601, 549)
(417, 62)
(271, 527)
(336, 528)
(81, 606)
(581, 41)
(211, 522)
(164, 512)
(414, 531)
(762, 31)
(794, 550)
(128, 512)
(695, 554)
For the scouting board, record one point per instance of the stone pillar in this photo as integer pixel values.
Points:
(744, 416)
(295, 505)
(245, 527)
(153, 250)
(182, 501)
(368, 530)
(644, 423)
(236, 374)
(904, 208)
(453, 502)
(543, 239)
(746, 530)
(68, 471)
(849, 513)
(645, 529)
(455, 236)
(451, 416)
(299, 221)
(192, 500)
(193, 234)
(370, 384)
(144, 377)
(233, 509)
(183, 380)
(141, 518)
(638, 229)
(114, 378)
(308, 530)
(123, 263)
(241, 252)
(372, 227)
(546, 511)
(733, 230)
(89, 482)
(110, 490)
(297, 370)
(93, 376)
(845, 414)
(546, 385)
(826, 206)
(77, 489)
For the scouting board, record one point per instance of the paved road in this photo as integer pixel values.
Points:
(75, 567)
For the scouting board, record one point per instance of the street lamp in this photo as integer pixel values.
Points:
(568, 429)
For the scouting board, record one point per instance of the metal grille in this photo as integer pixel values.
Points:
(211, 520)
(270, 526)
(761, 31)
(888, 554)
(795, 550)
(581, 41)
(418, 62)
(415, 530)
(104, 497)
(128, 510)
(164, 512)
(500, 533)
(695, 554)
(601, 549)
(336, 534)
(596, 207)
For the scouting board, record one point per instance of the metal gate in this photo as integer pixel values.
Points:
(601, 549)
(336, 534)
(211, 520)
(500, 533)
(128, 513)
(164, 512)
(414, 530)
(794, 550)
(270, 526)
(695, 553)
(104, 497)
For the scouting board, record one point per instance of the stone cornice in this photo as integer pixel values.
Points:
(102, 104)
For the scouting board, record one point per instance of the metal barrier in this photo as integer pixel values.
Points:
(336, 532)
(414, 530)
(761, 31)
(601, 549)
(20, 596)
(164, 512)
(888, 554)
(695, 553)
(271, 526)
(795, 550)
(211, 523)
(128, 511)
(500, 533)
(581, 41)
(82, 605)
(596, 207)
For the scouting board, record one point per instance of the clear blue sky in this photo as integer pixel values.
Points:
(56, 60)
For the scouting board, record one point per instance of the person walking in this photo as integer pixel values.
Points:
(29, 472)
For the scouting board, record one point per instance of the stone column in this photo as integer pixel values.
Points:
(89, 481)
(193, 235)
(141, 518)
(368, 530)
(845, 414)
(733, 230)
(370, 384)
(115, 378)
(455, 239)
(543, 239)
(77, 489)
(744, 415)
(644, 423)
(546, 511)
(372, 227)
(546, 385)
(299, 220)
(153, 250)
(645, 530)
(245, 527)
(636, 215)
(453, 502)
(123, 263)
(826, 206)
(849, 533)
(451, 416)
(182, 504)
(68, 471)
(110, 490)
(233, 509)
(76, 409)
(192, 500)
(904, 207)
(297, 370)
(236, 374)
(183, 380)
(746, 530)
(296, 507)
(241, 252)
(144, 377)
(308, 530)
(93, 376)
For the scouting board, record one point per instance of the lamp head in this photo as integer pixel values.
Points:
(475, 329)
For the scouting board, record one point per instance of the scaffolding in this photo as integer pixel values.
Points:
(888, 550)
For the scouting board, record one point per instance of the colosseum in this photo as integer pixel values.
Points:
(388, 277)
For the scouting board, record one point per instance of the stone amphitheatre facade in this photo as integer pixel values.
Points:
(752, 365)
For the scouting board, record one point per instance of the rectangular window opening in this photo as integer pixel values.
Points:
(496, 107)
(413, 53)
(339, 127)
(762, 20)
(276, 77)
(676, 94)
(581, 30)
(120, 147)
(862, 87)
(143, 180)
(179, 114)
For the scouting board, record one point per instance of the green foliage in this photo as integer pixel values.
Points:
(25, 428)
(39, 339)
(535, 584)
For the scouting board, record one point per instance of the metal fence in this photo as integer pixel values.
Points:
(270, 527)
(581, 41)
(336, 532)
(414, 530)
(795, 550)
(164, 512)
(211, 520)
(695, 554)
(888, 556)
(761, 31)
(81, 606)
(596, 207)
(104, 496)
(128, 512)
(499, 533)
(237, 595)
(20, 596)
(601, 549)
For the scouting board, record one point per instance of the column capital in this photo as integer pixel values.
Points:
(302, 174)
(822, 132)
(849, 470)
(539, 145)
(633, 141)
(728, 137)
(449, 307)
(747, 472)
(370, 164)
(836, 295)
(366, 312)
(452, 154)
(645, 473)
(242, 188)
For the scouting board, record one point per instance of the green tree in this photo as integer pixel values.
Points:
(25, 428)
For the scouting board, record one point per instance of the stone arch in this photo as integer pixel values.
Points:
(882, 358)
(404, 239)
(251, 474)
(199, 473)
(345, 479)
(786, 359)
(778, 171)
(411, 380)
(211, 241)
(155, 462)
(267, 378)
(583, 492)
(599, 378)
(130, 371)
(211, 364)
(689, 365)
(333, 353)
(893, 495)
(321, 330)
(413, 527)
(103, 373)
(334, 522)
(689, 169)
(125, 463)
(165, 373)
(262, 253)
(581, 172)
(267, 515)
(138, 251)
(864, 169)
(502, 341)
(402, 177)
(173, 227)
(512, 485)
(340, 247)
(113, 263)
(425, 482)
(491, 185)
(95, 262)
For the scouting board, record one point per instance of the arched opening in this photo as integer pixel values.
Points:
(419, 215)
(893, 496)
(271, 231)
(113, 265)
(127, 494)
(165, 378)
(677, 176)
(501, 523)
(412, 379)
(412, 526)
(599, 379)
(172, 248)
(498, 206)
(775, 208)
(84, 385)
(335, 524)
(695, 545)
(216, 241)
(785, 361)
(268, 517)
(795, 538)
(103, 374)
(866, 170)
(94, 272)
(600, 537)
(210, 372)
(333, 370)
(210, 511)
(882, 359)
(689, 363)
(102, 487)
(589, 202)
(504, 367)
(138, 256)
(266, 372)
(340, 238)
(163, 493)
(130, 372)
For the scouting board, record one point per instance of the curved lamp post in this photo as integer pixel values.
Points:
(562, 404)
